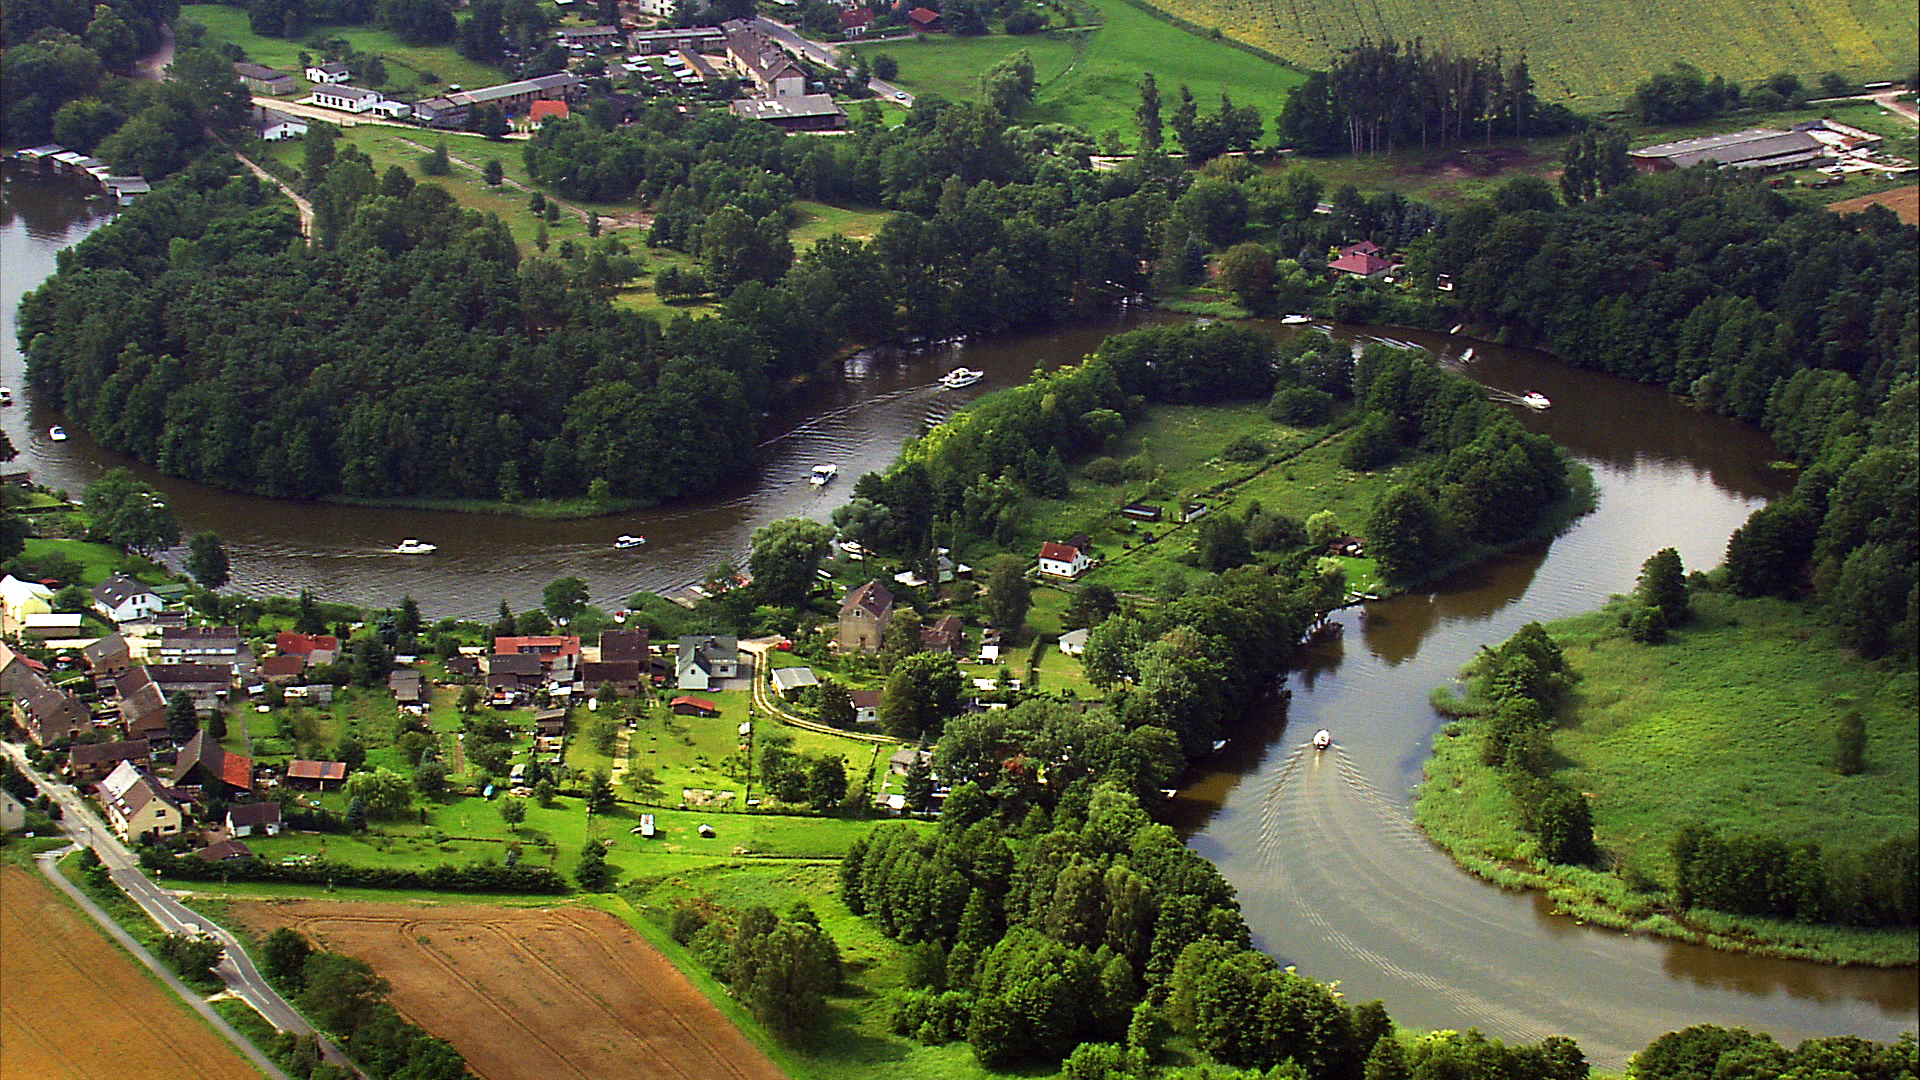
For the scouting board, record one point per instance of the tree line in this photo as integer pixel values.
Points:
(1379, 96)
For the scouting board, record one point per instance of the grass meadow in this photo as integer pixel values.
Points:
(1731, 723)
(1591, 55)
(228, 25)
(1089, 77)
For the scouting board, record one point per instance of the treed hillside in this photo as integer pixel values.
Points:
(1590, 55)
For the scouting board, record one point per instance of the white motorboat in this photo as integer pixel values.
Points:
(1534, 399)
(6, 395)
(1322, 739)
(1294, 320)
(57, 434)
(626, 541)
(822, 475)
(961, 376)
(411, 546)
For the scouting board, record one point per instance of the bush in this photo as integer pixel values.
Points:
(1301, 407)
(1245, 448)
(1104, 470)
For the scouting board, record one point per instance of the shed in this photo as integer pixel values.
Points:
(788, 681)
(686, 705)
(646, 826)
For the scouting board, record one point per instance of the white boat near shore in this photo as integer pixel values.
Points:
(57, 433)
(823, 475)
(411, 546)
(1322, 739)
(1534, 399)
(626, 541)
(961, 376)
(1294, 320)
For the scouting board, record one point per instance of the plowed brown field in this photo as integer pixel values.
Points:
(77, 1008)
(1904, 202)
(533, 994)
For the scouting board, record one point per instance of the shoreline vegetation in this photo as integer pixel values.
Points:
(1650, 734)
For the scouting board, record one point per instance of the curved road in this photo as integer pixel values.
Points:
(236, 968)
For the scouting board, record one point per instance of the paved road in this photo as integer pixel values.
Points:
(827, 56)
(85, 828)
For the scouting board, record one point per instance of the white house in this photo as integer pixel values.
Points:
(254, 819)
(1074, 642)
(346, 98)
(398, 110)
(124, 599)
(705, 659)
(277, 126)
(328, 73)
(1063, 560)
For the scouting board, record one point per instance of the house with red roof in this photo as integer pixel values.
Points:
(685, 705)
(540, 111)
(925, 20)
(864, 615)
(1364, 259)
(1063, 560)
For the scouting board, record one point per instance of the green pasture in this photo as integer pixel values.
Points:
(98, 562)
(1090, 77)
(1731, 723)
(1591, 55)
(815, 221)
(228, 25)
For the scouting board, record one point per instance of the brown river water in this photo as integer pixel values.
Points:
(1331, 873)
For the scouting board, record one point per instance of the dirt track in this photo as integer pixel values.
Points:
(78, 1009)
(533, 994)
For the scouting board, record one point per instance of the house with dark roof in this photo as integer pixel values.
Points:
(205, 764)
(774, 73)
(1063, 560)
(864, 616)
(124, 599)
(272, 125)
(206, 684)
(591, 37)
(89, 763)
(221, 645)
(142, 707)
(282, 669)
(947, 635)
(50, 715)
(254, 819)
(224, 851)
(405, 684)
(107, 657)
(704, 659)
(624, 675)
(264, 80)
(623, 645)
(866, 706)
(462, 667)
(310, 775)
(799, 112)
(512, 672)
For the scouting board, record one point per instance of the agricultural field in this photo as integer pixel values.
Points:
(1090, 77)
(532, 994)
(1591, 55)
(1904, 202)
(134, 1027)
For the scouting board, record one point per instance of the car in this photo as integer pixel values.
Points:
(783, 645)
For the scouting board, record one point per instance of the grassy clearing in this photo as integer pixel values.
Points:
(228, 25)
(815, 221)
(98, 562)
(1592, 54)
(1730, 723)
(1090, 77)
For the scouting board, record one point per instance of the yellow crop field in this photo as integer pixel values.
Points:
(1591, 53)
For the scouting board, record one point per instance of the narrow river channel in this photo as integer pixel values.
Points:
(1332, 875)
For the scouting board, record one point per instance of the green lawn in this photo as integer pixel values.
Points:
(98, 562)
(1090, 78)
(1730, 723)
(815, 221)
(228, 25)
(1591, 55)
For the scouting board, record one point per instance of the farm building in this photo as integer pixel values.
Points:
(810, 112)
(1756, 148)
(315, 775)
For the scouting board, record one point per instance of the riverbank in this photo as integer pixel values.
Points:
(535, 509)
(1730, 723)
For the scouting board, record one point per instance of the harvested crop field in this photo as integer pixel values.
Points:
(532, 994)
(59, 967)
(1904, 202)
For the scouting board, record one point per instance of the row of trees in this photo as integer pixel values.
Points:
(343, 995)
(1768, 875)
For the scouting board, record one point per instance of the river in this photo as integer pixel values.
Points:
(1331, 873)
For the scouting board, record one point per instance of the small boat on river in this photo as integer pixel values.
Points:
(626, 541)
(6, 395)
(823, 475)
(57, 434)
(1294, 320)
(961, 376)
(1322, 739)
(1534, 399)
(411, 546)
